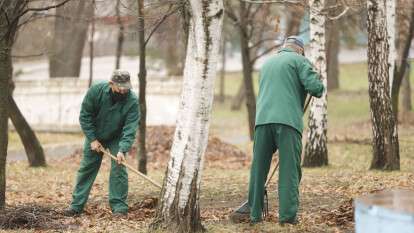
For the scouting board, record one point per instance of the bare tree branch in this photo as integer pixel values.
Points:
(44, 8)
(158, 24)
(231, 15)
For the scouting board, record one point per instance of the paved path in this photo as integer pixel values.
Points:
(56, 151)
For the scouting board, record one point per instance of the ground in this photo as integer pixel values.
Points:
(327, 193)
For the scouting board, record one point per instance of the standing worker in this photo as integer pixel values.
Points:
(109, 119)
(285, 80)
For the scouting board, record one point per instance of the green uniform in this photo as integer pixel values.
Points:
(114, 125)
(285, 80)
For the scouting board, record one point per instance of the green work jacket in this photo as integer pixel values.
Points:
(285, 80)
(105, 121)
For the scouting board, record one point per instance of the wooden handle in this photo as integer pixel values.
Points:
(309, 98)
(107, 153)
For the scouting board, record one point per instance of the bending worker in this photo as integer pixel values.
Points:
(109, 119)
(285, 80)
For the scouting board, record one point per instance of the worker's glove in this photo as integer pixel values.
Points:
(96, 146)
(120, 157)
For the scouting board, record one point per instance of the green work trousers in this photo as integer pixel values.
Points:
(267, 139)
(89, 167)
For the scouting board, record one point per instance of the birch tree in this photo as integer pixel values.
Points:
(385, 135)
(179, 208)
(316, 150)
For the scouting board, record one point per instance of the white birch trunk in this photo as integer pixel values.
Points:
(179, 203)
(316, 151)
(391, 32)
(384, 128)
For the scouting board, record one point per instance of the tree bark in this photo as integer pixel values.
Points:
(69, 38)
(121, 33)
(384, 127)
(7, 34)
(406, 33)
(247, 70)
(142, 76)
(332, 50)
(179, 208)
(5, 68)
(316, 149)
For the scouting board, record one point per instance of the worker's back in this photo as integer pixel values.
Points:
(285, 79)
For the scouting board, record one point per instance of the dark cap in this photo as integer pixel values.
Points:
(295, 40)
(121, 79)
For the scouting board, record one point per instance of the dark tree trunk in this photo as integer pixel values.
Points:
(332, 51)
(7, 34)
(384, 126)
(407, 106)
(406, 33)
(5, 71)
(247, 70)
(120, 35)
(142, 75)
(91, 45)
(69, 38)
(34, 150)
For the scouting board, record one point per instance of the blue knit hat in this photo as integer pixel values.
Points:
(295, 40)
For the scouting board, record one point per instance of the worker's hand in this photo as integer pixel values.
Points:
(120, 157)
(96, 146)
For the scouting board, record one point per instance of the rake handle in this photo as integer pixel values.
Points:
(107, 153)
